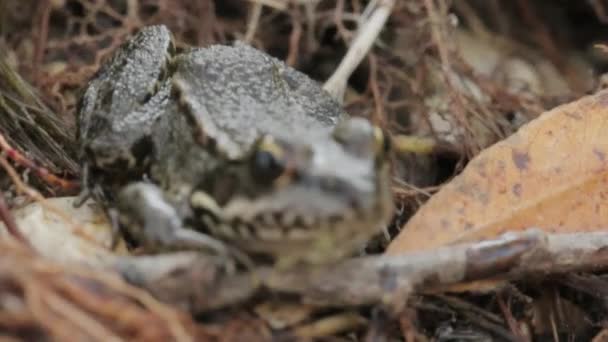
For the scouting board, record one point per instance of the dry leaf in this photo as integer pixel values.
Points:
(551, 174)
(67, 234)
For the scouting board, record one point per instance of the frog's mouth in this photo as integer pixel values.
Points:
(300, 211)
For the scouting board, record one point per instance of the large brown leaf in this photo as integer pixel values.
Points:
(551, 174)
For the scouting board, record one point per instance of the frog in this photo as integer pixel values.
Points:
(226, 147)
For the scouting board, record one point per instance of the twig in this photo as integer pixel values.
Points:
(30, 122)
(365, 37)
(276, 4)
(309, 13)
(44, 11)
(32, 193)
(479, 317)
(294, 39)
(329, 326)
(85, 322)
(36, 196)
(338, 18)
(600, 10)
(461, 305)
(72, 302)
(387, 279)
(282, 5)
(254, 20)
(378, 114)
(407, 325)
(42, 172)
(511, 322)
(438, 35)
(115, 283)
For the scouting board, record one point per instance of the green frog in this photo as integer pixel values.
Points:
(227, 146)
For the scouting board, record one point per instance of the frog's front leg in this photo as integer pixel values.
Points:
(153, 222)
(120, 108)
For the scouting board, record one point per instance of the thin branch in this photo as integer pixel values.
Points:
(254, 20)
(386, 279)
(9, 222)
(369, 30)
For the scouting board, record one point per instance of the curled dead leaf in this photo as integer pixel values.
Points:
(551, 174)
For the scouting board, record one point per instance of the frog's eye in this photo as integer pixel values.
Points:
(267, 162)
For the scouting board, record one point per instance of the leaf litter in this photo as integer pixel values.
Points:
(448, 80)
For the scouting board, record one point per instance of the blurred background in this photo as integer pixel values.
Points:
(466, 73)
(504, 61)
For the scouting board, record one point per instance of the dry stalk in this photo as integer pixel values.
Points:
(35, 195)
(386, 279)
(368, 32)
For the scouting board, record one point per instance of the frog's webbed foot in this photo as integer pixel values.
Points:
(115, 224)
(89, 189)
(152, 221)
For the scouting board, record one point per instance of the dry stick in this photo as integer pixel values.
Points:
(339, 21)
(388, 278)
(376, 279)
(378, 115)
(364, 39)
(282, 5)
(44, 11)
(329, 326)
(294, 39)
(276, 4)
(79, 318)
(254, 20)
(42, 172)
(36, 196)
(511, 321)
(168, 314)
(34, 295)
(116, 284)
(33, 194)
(176, 328)
(309, 14)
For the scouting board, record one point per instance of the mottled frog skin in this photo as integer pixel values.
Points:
(227, 146)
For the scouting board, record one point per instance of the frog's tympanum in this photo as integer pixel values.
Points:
(226, 145)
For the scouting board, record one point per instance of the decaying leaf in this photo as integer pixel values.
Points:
(66, 234)
(551, 174)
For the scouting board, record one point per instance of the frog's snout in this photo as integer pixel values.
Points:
(343, 182)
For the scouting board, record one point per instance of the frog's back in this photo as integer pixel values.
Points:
(238, 93)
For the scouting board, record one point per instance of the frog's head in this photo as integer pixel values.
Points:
(288, 189)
